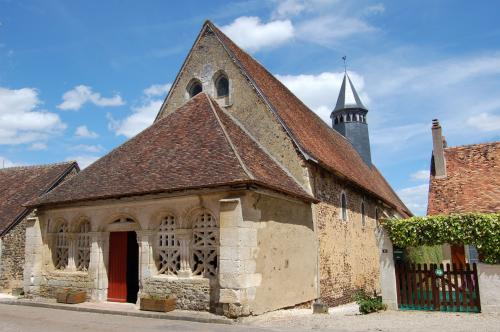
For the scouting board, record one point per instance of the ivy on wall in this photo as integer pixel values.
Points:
(477, 229)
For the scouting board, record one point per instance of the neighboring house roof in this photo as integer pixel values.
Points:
(472, 181)
(314, 138)
(19, 185)
(196, 146)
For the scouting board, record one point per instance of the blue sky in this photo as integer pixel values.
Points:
(78, 78)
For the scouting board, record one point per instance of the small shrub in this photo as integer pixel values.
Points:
(368, 303)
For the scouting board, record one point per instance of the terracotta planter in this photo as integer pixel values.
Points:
(71, 297)
(160, 305)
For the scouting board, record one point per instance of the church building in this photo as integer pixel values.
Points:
(238, 199)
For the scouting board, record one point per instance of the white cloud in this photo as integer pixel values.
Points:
(251, 34)
(88, 148)
(329, 29)
(320, 92)
(421, 175)
(415, 198)
(5, 162)
(84, 132)
(21, 121)
(38, 146)
(289, 8)
(142, 117)
(157, 90)
(485, 122)
(376, 9)
(75, 98)
(83, 160)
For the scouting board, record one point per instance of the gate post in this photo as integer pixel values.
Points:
(387, 269)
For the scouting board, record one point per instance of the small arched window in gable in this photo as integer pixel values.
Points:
(343, 206)
(194, 88)
(363, 214)
(222, 86)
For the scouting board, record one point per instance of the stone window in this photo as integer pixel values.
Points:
(363, 214)
(169, 259)
(205, 243)
(194, 87)
(343, 206)
(222, 86)
(61, 247)
(83, 247)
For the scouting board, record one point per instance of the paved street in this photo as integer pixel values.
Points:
(14, 318)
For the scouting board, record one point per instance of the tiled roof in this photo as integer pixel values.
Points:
(19, 185)
(472, 182)
(312, 135)
(196, 146)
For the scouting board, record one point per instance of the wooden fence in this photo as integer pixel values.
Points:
(437, 287)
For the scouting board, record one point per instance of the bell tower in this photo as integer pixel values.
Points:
(349, 119)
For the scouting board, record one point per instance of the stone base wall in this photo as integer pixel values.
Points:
(55, 281)
(489, 287)
(12, 258)
(349, 255)
(192, 293)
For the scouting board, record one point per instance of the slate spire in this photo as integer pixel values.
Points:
(349, 119)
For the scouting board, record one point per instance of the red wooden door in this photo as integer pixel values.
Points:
(117, 275)
(458, 255)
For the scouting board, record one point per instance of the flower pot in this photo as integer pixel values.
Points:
(159, 305)
(71, 296)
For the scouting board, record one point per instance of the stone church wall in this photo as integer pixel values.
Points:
(207, 59)
(12, 257)
(349, 256)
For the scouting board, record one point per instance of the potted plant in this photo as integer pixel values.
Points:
(158, 303)
(71, 296)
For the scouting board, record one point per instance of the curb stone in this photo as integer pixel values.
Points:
(169, 316)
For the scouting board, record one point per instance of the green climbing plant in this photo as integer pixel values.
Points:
(478, 229)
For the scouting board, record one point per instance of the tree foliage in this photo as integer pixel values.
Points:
(479, 230)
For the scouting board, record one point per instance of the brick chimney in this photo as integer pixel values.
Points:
(438, 145)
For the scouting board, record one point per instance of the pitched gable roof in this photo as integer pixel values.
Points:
(472, 182)
(312, 136)
(196, 146)
(19, 185)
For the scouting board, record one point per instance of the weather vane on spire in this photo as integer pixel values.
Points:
(345, 63)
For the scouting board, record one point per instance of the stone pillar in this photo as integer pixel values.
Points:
(184, 235)
(145, 240)
(71, 237)
(97, 266)
(387, 269)
(237, 278)
(33, 255)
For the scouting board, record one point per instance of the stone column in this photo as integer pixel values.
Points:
(71, 238)
(33, 255)
(97, 267)
(147, 267)
(387, 269)
(184, 235)
(237, 278)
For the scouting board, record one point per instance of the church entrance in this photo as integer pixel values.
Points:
(123, 273)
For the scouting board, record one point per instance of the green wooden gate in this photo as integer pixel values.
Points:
(437, 287)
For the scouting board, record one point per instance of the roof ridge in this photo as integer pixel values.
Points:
(38, 166)
(235, 151)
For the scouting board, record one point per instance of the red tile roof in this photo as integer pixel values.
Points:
(312, 136)
(196, 146)
(19, 185)
(472, 182)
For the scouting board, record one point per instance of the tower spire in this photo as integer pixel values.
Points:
(349, 117)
